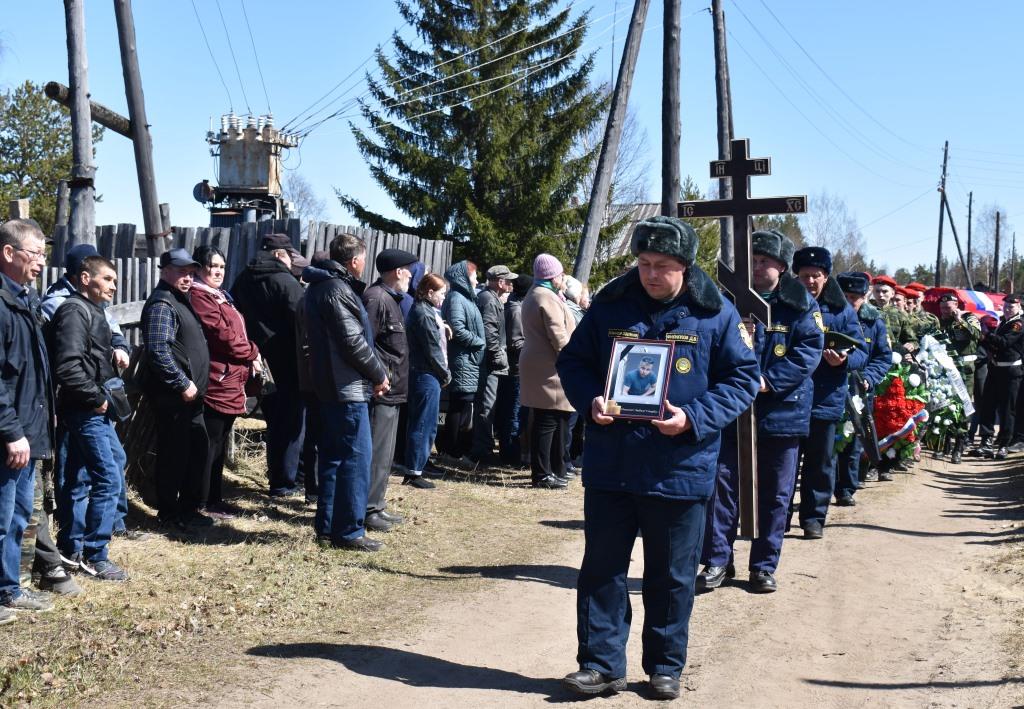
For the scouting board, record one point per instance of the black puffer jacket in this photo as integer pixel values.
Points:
(81, 352)
(26, 400)
(493, 314)
(344, 366)
(268, 295)
(384, 310)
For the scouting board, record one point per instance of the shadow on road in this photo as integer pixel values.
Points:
(416, 670)
(916, 685)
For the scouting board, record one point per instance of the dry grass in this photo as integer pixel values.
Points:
(179, 630)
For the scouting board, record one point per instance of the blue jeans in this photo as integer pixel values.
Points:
(346, 450)
(93, 486)
(672, 534)
(424, 400)
(17, 490)
(507, 420)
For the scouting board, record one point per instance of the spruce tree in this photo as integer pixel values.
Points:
(478, 148)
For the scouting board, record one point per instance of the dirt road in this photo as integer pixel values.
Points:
(907, 601)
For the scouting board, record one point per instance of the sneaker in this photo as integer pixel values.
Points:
(58, 580)
(109, 571)
(418, 482)
(871, 476)
(884, 476)
(27, 600)
(7, 615)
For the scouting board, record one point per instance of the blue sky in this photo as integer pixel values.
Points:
(896, 79)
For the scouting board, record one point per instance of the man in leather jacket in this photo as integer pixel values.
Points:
(346, 374)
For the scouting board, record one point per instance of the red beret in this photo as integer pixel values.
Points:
(884, 281)
(914, 285)
(906, 293)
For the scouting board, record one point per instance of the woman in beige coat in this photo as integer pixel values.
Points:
(547, 326)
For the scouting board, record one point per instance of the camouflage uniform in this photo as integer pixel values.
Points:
(898, 325)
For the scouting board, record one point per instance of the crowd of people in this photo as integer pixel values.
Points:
(352, 380)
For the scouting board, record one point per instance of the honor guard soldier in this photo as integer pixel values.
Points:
(924, 322)
(818, 474)
(855, 285)
(788, 350)
(961, 333)
(897, 324)
(653, 477)
(1004, 347)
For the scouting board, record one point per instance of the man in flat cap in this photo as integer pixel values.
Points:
(491, 301)
(789, 350)
(268, 294)
(1005, 347)
(383, 302)
(176, 373)
(855, 285)
(655, 477)
(813, 265)
(961, 333)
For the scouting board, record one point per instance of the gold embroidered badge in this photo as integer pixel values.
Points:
(746, 336)
(779, 350)
(818, 321)
(683, 365)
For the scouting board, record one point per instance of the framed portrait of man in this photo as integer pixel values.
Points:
(635, 387)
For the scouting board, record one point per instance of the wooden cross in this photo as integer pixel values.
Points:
(739, 168)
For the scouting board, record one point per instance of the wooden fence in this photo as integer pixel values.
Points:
(137, 273)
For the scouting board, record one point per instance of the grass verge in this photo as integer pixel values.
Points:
(178, 632)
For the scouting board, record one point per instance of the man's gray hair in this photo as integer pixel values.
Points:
(15, 231)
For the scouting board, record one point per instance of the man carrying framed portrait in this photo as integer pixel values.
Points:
(652, 476)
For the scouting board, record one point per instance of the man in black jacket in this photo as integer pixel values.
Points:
(383, 307)
(268, 295)
(176, 373)
(511, 418)
(26, 408)
(491, 301)
(346, 374)
(83, 367)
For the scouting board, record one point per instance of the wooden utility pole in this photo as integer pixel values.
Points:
(724, 97)
(970, 263)
(82, 221)
(995, 260)
(956, 240)
(141, 141)
(670, 127)
(942, 214)
(1013, 261)
(610, 145)
(101, 114)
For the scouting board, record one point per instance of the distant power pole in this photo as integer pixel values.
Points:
(724, 97)
(670, 128)
(1013, 261)
(942, 214)
(610, 144)
(995, 260)
(82, 220)
(141, 141)
(970, 263)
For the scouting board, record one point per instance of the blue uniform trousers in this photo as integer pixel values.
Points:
(776, 470)
(672, 535)
(848, 463)
(818, 473)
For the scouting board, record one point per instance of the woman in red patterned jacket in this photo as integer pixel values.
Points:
(232, 356)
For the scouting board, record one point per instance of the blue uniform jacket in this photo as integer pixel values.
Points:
(713, 378)
(876, 338)
(789, 351)
(830, 384)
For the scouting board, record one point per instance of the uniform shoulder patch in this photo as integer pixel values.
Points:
(747, 340)
(1017, 327)
(819, 321)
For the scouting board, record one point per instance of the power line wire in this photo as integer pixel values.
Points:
(898, 209)
(813, 125)
(233, 57)
(256, 54)
(231, 103)
(836, 84)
